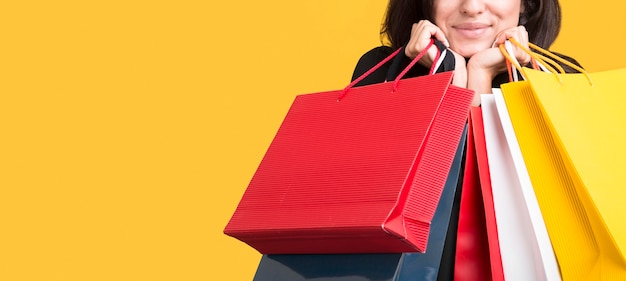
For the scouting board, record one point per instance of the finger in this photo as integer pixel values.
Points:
(441, 37)
(513, 32)
(522, 37)
(503, 36)
(432, 31)
(516, 35)
(500, 39)
(429, 30)
(519, 34)
(421, 34)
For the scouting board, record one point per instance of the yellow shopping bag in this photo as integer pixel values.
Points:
(566, 221)
(571, 130)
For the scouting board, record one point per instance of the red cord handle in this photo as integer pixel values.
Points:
(413, 62)
(381, 63)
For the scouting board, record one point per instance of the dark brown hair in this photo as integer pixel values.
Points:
(542, 19)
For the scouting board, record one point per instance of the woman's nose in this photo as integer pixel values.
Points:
(473, 7)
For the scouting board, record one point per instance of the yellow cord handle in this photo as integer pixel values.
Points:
(553, 56)
(509, 58)
(547, 62)
(535, 56)
(551, 59)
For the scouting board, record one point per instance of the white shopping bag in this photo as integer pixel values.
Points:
(524, 242)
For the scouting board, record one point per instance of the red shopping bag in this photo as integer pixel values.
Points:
(478, 250)
(359, 174)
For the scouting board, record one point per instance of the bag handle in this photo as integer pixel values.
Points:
(381, 63)
(438, 61)
(538, 61)
(546, 61)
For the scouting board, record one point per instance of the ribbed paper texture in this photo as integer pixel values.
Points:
(472, 261)
(336, 169)
(570, 231)
(495, 259)
(587, 120)
(437, 153)
(374, 267)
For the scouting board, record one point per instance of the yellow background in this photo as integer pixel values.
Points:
(130, 129)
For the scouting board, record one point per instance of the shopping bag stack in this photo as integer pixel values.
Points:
(360, 180)
(546, 153)
(403, 180)
(566, 134)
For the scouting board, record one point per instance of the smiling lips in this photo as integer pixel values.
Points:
(472, 29)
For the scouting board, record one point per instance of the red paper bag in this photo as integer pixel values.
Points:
(478, 250)
(362, 174)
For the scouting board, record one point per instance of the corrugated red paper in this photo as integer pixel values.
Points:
(359, 175)
(477, 250)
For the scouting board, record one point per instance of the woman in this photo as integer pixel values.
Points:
(472, 31)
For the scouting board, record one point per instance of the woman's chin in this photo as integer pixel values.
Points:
(469, 51)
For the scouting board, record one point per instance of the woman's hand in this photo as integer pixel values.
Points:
(483, 67)
(421, 34)
(521, 36)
